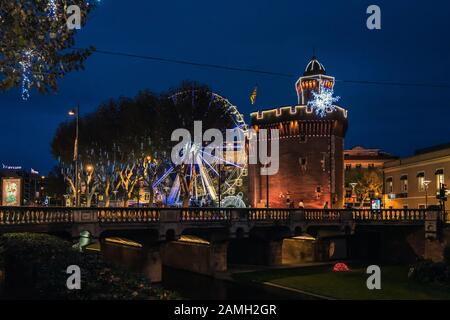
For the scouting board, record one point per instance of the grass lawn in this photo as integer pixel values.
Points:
(350, 285)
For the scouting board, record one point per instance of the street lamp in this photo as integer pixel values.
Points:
(353, 185)
(115, 197)
(89, 170)
(76, 113)
(426, 183)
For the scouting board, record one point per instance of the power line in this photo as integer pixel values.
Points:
(266, 72)
(197, 64)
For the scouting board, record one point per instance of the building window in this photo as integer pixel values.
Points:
(348, 167)
(389, 185)
(358, 166)
(404, 183)
(440, 178)
(421, 181)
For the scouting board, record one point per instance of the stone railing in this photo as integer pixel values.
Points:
(205, 214)
(390, 215)
(128, 215)
(33, 216)
(268, 214)
(328, 215)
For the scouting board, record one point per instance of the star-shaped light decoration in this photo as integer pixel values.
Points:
(322, 102)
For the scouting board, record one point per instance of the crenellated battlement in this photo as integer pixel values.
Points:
(295, 120)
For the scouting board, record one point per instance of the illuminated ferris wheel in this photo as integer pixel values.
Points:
(207, 177)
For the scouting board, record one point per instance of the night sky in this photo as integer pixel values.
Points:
(413, 46)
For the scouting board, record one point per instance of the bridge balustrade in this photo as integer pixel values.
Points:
(390, 215)
(30, 216)
(326, 215)
(205, 214)
(269, 214)
(128, 215)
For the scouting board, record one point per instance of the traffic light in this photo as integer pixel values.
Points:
(443, 192)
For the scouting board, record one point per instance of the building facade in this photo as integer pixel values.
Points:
(363, 158)
(357, 161)
(311, 149)
(414, 182)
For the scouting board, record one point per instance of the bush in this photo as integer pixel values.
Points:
(36, 264)
(427, 271)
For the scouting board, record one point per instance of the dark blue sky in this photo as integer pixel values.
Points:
(413, 46)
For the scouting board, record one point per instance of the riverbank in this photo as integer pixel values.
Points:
(321, 282)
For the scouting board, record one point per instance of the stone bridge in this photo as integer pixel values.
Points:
(171, 223)
(237, 236)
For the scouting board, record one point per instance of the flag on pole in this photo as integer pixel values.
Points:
(254, 95)
(75, 150)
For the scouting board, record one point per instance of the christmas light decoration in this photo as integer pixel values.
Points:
(52, 9)
(341, 267)
(25, 68)
(322, 101)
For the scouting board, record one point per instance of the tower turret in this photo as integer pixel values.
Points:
(314, 79)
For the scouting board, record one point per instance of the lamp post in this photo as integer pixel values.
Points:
(115, 197)
(353, 185)
(76, 113)
(426, 183)
(89, 170)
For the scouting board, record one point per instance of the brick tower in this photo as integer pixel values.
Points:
(311, 164)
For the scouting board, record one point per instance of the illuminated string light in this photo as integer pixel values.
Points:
(52, 8)
(26, 71)
(322, 101)
(25, 68)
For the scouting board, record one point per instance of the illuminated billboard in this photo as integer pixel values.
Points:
(11, 192)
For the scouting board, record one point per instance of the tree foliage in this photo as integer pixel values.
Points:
(369, 182)
(128, 141)
(36, 265)
(28, 31)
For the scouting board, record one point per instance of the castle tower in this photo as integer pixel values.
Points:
(311, 163)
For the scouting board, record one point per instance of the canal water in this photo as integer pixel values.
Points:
(192, 286)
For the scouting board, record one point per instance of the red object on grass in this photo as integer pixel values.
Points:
(341, 267)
